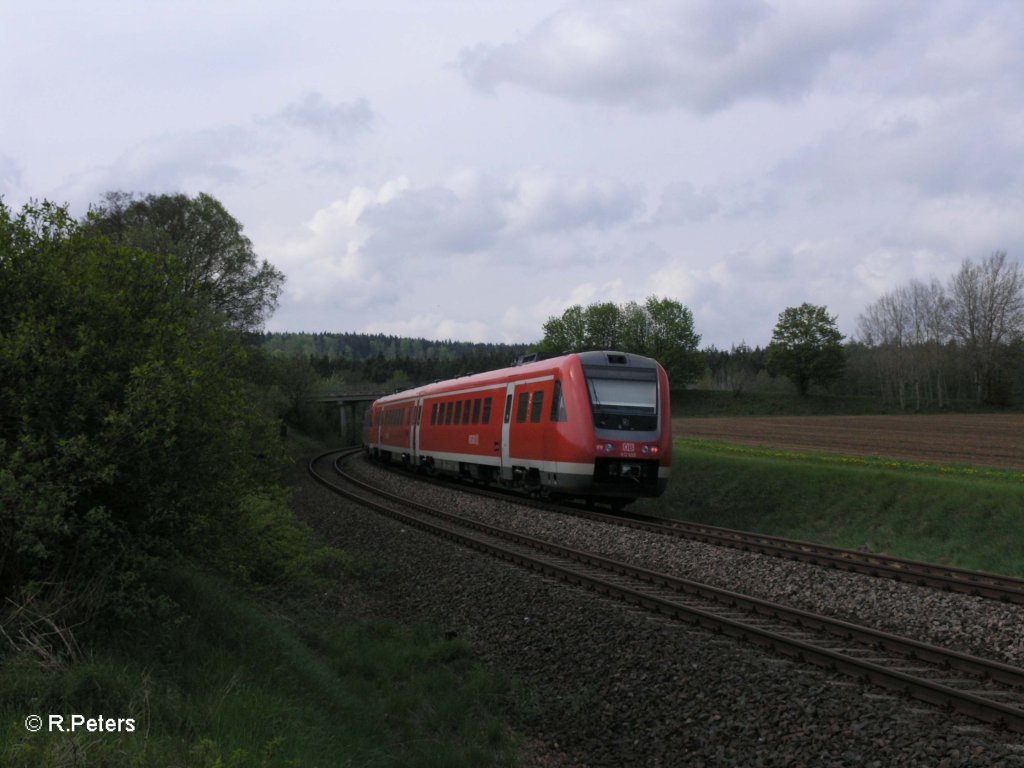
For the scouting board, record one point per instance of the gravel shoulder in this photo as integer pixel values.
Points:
(609, 686)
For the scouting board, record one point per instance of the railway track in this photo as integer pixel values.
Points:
(987, 690)
(990, 586)
(977, 583)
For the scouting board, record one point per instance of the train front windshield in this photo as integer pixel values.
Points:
(626, 401)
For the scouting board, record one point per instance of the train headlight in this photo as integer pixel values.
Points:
(606, 447)
(653, 449)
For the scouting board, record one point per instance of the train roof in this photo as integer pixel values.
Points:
(607, 359)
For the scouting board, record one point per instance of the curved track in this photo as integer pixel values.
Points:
(990, 586)
(987, 690)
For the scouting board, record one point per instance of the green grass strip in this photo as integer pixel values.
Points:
(872, 462)
(959, 516)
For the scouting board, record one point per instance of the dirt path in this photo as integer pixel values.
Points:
(992, 440)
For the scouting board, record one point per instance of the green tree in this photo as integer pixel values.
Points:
(806, 347)
(567, 333)
(127, 428)
(660, 328)
(663, 329)
(218, 266)
(602, 325)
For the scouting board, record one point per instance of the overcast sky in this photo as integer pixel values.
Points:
(467, 169)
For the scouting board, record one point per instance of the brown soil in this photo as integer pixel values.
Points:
(991, 440)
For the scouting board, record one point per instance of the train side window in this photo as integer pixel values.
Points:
(449, 407)
(465, 411)
(508, 408)
(487, 411)
(458, 411)
(476, 411)
(522, 407)
(537, 407)
(433, 414)
(558, 404)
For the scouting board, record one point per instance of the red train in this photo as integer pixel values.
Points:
(592, 425)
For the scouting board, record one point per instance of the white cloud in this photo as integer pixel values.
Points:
(741, 156)
(538, 201)
(338, 122)
(217, 157)
(681, 203)
(703, 55)
(10, 174)
(326, 264)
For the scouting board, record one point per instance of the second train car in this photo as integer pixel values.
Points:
(591, 425)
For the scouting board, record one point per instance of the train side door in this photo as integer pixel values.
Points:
(506, 423)
(414, 441)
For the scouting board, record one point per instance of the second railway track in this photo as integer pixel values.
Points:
(987, 690)
(990, 586)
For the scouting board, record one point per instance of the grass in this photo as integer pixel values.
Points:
(233, 681)
(961, 516)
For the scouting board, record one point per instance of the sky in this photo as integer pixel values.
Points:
(466, 170)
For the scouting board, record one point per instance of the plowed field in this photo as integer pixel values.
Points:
(988, 440)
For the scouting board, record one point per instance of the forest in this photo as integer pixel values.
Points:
(353, 362)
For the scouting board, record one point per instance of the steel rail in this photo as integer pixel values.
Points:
(981, 584)
(948, 578)
(971, 702)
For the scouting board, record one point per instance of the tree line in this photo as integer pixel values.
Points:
(922, 345)
(928, 341)
(361, 361)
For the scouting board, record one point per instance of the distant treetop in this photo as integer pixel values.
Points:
(222, 270)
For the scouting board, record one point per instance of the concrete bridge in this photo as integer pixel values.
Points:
(347, 408)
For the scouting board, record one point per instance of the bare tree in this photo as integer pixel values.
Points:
(907, 327)
(884, 326)
(986, 315)
(931, 332)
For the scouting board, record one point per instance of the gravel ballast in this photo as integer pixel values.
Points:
(604, 684)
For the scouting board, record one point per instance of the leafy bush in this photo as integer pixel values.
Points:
(128, 431)
(273, 549)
